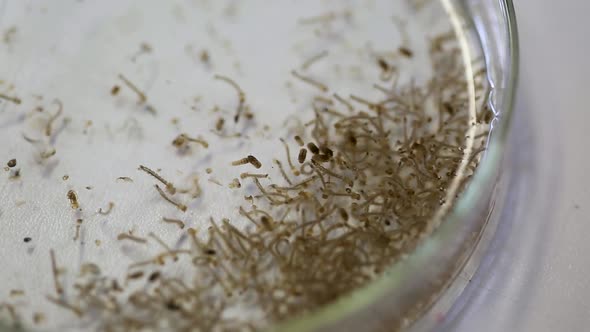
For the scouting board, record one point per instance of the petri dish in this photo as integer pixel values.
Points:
(117, 83)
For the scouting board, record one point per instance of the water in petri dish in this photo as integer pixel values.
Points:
(223, 165)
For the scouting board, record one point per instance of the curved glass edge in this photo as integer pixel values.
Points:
(495, 43)
(426, 272)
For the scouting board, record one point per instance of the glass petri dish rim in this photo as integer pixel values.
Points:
(396, 277)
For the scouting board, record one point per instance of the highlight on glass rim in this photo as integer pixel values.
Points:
(228, 165)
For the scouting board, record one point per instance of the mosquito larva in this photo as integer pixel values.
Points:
(223, 135)
(313, 148)
(299, 140)
(364, 101)
(172, 306)
(177, 222)
(160, 259)
(247, 215)
(282, 170)
(219, 124)
(108, 210)
(322, 158)
(331, 173)
(212, 180)
(240, 162)
(302, 155)
(48, 126)
(38, 318)
(405, 52)
(182, 139)
(322, 87)
(253, 161)
(327, 151)
(179, 141)
(135, 275)
(30, 140)
(387, 71)
(250, 159)
(253, 175)
(48, 153)
(126, 236)
(151, 109)
(383, 64)
(195, 190)
(235, 184)
(204, 57)
(314, 59)
(89, 268)
(169, 186)
(124, 179)
(249, 198)
(73, 199)
(14, 100)
(343, 214)
(241, 94)
(319, 19)
(180, 206)
(77, 234)
(288, 152)
(11, 311)
(344, 102)
(15, 174)
(130, 85)
(66, 305)
(154, 276)
(58, 288)
(193, 234)
(266, 222)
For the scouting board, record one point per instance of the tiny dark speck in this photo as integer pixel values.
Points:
(576, 206)
(27, 239)
(172, 306)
